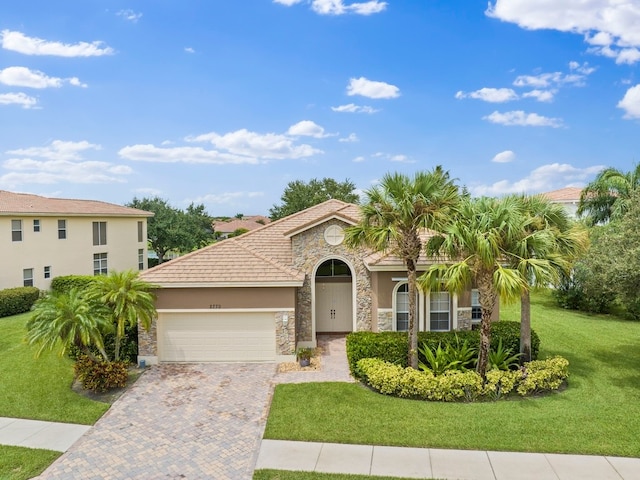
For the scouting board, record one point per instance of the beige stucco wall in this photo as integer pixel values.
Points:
(70, 256)
(222, 298)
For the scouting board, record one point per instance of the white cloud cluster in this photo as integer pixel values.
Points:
(19, 42)
(238, 147)
(24, 77)
(630, 103)
(60, 161)
(492, 95)
(522, 119)
(19, 98)
(225, 198)
(504, 157)
(394, 157)
(352, 137)
(610, 27)
(542, 179)
(129, 15)
(338, 7)
(353, 108)
(371, 88)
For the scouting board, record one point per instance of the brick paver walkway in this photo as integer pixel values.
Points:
(181, 421)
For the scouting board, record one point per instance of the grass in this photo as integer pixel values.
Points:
(285, 475)
(40, 388)
(599, 412)
(18, 463)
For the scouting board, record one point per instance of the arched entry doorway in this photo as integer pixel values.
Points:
(333, 297)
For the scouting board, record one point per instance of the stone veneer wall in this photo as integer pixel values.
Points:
(464, 318)
(285, 337)
(309, 247)
(148, 341)
(385, 320)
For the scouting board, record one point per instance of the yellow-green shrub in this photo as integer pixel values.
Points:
(543, 375)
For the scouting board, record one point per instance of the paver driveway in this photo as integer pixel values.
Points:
(178, 421)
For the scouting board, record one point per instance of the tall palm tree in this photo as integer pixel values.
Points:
(62, 320)
(550, 235)
(486, 243)
(129, 299)
(608, 195)
(394, 215)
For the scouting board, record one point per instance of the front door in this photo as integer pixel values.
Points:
(334, 307)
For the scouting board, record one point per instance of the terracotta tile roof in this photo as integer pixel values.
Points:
(26, 204)
(247, 223)
(380, 260)
(568, 194)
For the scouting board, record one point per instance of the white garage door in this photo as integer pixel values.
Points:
(216, 337)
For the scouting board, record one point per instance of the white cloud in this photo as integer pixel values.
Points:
(401, 159)
(610, 26)
(359, 159)
(24, 77)
(288, 3)
(351, 138)
(189, 50)
(130, 15)
(523, 119)
(151, 153)
(307, 128)
(504, 157)
(353, 108)
(19, 42)
(225, 198)
(545, 80)
(493, 95)
(540, 95)
(542, 179)
(372, 89)
(60, 161)
(630, 103)
(22, 99)
(338, 7)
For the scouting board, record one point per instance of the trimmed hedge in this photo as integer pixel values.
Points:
(65, 283)
(393, 347)
(17, 300)
(535, 377)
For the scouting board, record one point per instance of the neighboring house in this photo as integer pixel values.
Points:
(568, 197)
(43, 238)
(249, 223)
(259, 296)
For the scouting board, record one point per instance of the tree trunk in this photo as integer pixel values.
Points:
(488, 299)
(525, 327)
(413, 321)
(116, 354)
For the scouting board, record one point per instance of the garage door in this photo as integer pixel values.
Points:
(216, 337)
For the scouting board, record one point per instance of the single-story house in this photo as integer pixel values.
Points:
(259, 296)
(568, 197)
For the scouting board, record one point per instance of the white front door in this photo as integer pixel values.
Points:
(334, 307)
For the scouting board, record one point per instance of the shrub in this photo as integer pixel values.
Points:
(392, 347)
(391, 379)
(128, 346)
(100, 376)
(65, 283)
(17, 300)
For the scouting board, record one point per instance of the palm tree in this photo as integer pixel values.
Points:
(394, 215)
(129, 299)
(487, 243)
(62, 320)
(608, 195)
(549, 235)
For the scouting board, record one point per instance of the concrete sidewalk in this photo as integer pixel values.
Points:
(441, 464)
(38, 434)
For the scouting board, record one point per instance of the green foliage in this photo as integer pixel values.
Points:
(299, 195)
(454, 385)
(503, 358)
(452, 357)
(65, 283)
(304, 353)
(17, 300)
(128, 346)
(392, 347)
(100, 376)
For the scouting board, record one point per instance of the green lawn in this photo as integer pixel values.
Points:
(599, 412)
(38, 388)
(285, 475)
(17, 463)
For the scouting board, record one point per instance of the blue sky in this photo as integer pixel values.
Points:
(224, 103)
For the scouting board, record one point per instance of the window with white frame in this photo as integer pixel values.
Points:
(100, 264)
(439, 311)
(27, 277)
(62, 229)
(16, 230)
(141, 259)
(47, 272)
(402, 308)
(36, 226)
(99, 233)
(476, 311)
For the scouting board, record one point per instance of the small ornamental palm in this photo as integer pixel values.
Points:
(62, 320)
(129, 299)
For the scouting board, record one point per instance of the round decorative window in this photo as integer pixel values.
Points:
(334, 235)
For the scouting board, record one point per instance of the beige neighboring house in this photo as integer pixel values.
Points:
(247, 223)
(568, 197)
(45, 238)
(259, 296)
